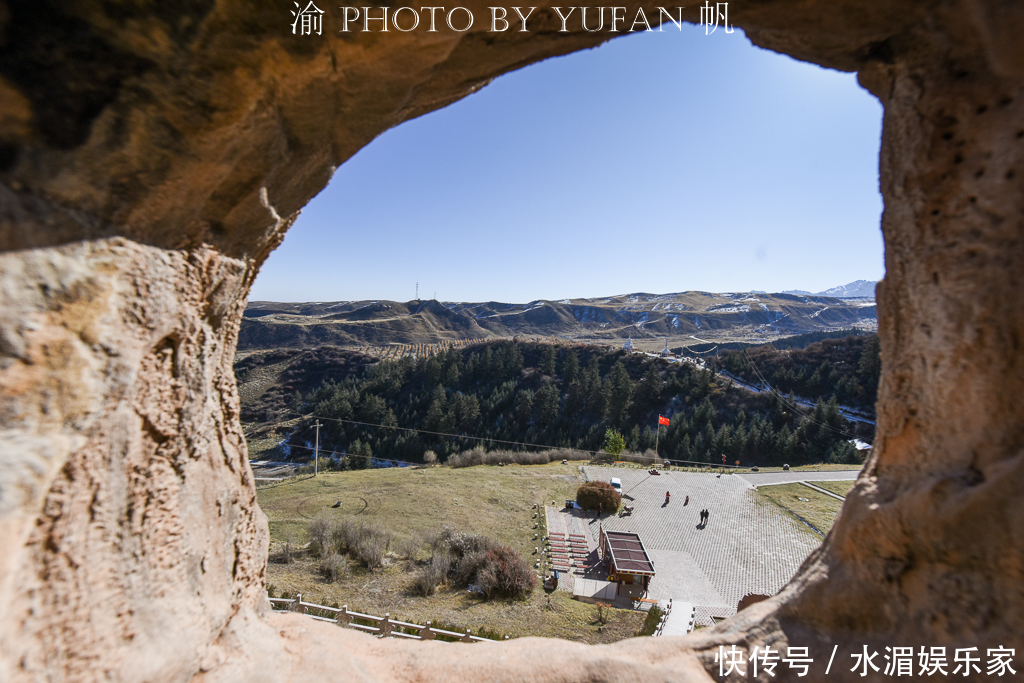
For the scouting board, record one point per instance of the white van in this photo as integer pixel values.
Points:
(617, 484)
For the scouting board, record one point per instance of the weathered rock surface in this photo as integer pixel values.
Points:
(151, 156)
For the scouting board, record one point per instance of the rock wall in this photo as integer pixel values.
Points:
(151, 156)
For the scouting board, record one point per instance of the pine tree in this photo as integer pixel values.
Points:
(620, 391)
(513, 360)
(596, 393)
(547, 405)
(466, 410)
(869, 368)
(570, 366)
(372, 409)
(524, 407)
(438, 408)
(433, 370)
(647, 394)
(549, 359)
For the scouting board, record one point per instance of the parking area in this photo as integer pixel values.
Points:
(747, 545)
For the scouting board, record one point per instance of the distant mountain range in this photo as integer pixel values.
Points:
(684, 317)
(854, 290)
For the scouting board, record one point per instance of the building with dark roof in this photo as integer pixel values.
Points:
(629, 565)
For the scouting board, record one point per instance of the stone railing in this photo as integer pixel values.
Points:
(381, 627)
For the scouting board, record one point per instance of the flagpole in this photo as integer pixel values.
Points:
(656, 435)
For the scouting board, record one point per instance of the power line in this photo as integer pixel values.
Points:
(474, 438)
(785, 401)
(456, 436)
(481, 438)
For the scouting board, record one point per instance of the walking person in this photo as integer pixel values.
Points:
(687, 501)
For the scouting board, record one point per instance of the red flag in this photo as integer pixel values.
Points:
(662, 420)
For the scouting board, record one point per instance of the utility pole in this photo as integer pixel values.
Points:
(316, 451)
(417, 291)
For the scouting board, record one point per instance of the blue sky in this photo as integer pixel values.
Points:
(657, 162)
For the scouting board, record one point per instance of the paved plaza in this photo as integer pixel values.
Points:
(747, 546)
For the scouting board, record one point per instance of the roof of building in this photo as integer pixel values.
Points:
(628, 555)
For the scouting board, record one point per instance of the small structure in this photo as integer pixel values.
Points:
(629, 565)
(592, 590)
(628, 346)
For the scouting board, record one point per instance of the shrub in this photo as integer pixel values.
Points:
(473, 559)
(467, 567)
(321, 533)
(505, 573)
(430, 577)
(430, 457)
(648, 457)
(434, 574)
(475, 456)
(373, 545)
(284, 556)
(478, 456)
(459, 544)
(613, 442)
(367, 543)
(598, 494)
(333, 567)
(408, 546)
(651, 622)
(442, 560)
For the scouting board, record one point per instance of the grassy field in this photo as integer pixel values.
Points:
(413, 503)
(817, 467)
(817, 508)
(838, 487)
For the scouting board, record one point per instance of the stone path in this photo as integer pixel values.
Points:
(747, 546)
(571, 548)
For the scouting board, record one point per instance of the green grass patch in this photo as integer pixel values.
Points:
(816, 467)
(799, 500)
(838, 487)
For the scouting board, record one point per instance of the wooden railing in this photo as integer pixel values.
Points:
(664, 618)
(385, 627)
(692, 619)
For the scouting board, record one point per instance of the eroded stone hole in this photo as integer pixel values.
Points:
(219, 100)
(485, 215)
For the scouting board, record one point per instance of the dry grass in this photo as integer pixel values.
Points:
(838, 487)
(817, 508)
(491, 501)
